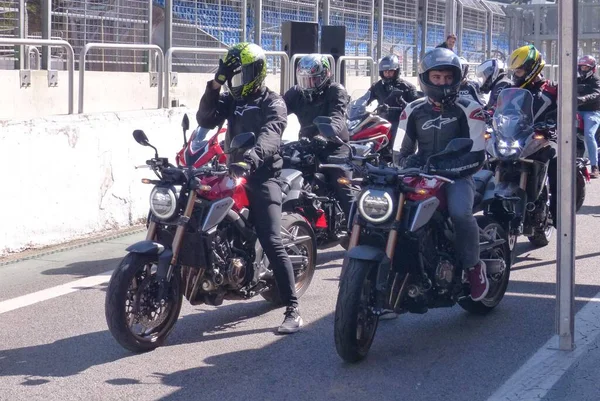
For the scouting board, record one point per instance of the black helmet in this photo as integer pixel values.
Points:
(389, 63)
(440, 59)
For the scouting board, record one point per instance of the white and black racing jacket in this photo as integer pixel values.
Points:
(426, 129)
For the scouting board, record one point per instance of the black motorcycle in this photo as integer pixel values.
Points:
(401, 255)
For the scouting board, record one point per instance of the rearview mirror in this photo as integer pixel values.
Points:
(140, 137)
(244, 140)
(185, 123)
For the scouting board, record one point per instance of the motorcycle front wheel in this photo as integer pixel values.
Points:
(355, 323)
(135, 317)
(580, 190)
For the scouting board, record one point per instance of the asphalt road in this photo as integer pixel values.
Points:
(60, 348)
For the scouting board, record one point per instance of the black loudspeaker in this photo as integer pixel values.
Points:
(333, 41)
(299, 38)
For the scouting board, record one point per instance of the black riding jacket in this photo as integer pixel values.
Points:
(331, 102)
(588, 93)
(431, 128)
(381, 91)
(264, 113)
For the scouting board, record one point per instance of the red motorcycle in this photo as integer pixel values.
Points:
(370, 128)
(200, 244)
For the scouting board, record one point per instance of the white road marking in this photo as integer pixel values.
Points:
(548, 296)
(54, 292)
(545, 368)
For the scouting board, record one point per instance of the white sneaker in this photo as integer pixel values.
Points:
(292, 321)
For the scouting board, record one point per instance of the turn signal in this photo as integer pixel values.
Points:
(204, 188)
(343, 181)
(146, 181)
(422, 191)
(487, 135)
(538, 136)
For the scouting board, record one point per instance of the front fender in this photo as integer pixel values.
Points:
(146, 247)
(366, 252)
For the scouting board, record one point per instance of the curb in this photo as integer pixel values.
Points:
(66, 247)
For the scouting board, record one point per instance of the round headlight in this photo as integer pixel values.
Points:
(163, 202)
(375, 206)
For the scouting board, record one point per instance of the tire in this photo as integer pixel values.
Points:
(289, 221)
(580, 192)
(541, 237)
(358, 277)
(132, 267)
(499, 283)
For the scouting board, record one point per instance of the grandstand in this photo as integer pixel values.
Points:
(218, 23)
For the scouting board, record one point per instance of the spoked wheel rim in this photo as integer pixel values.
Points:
(366, 320)
(302, 275)
(148, 319)
(496, 280)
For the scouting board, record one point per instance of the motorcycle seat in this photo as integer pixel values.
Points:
(481, 178)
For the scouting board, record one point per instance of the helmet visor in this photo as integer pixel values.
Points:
(310, 82)
(246, 74)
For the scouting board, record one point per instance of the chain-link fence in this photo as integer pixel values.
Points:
(474, 28)
(9, 27)
(399, 30)
(220, 23)
(357, 16)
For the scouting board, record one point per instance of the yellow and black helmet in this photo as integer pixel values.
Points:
(251, 75)
(529, 59)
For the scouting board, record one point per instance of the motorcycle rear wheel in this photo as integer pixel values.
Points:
(355, 324)
(130, 301)
(498, 282)
(295, 222)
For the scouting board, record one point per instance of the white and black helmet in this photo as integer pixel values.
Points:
(440, 59)
(488, 72)
(389, 63)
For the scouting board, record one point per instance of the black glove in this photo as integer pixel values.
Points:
(241, 169)
(226, 69)
(413, 161)
(251, 158)
(320, 141)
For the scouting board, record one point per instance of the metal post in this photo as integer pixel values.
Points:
(416, 47)
(424, 30)
(149, 35)
(450, 17)
(536, 26)
(168, 25)
(46, 33)
(258, 22)
(380, 31)
(326, 11)
(372, 30)
(22, 54)
(565, 272)
(244, 21)
(459, 28)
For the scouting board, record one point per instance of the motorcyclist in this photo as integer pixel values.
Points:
(316, 96)
(249, 106)
(469, 89)
(588, 105)
(527, 63)
(430, 124)
(391, 90)
(492, 79)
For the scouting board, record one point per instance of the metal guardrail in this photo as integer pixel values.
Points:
(168, 65)
(90, 46)
(299, 55)
(341, 59)
(53, 43)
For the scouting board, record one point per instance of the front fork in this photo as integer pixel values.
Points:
(167, 260)
(383, 274)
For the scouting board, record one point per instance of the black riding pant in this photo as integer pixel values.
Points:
(265, 208)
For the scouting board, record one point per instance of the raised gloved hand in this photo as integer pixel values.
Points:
(226, 70)
(240, 169)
